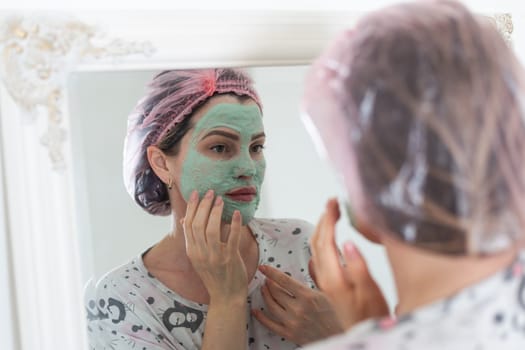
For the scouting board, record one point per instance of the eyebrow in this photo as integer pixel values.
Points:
(259, 135)
(230, 135)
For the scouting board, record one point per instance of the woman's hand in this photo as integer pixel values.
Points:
(294, 311)
(349, 286)
(218, 264)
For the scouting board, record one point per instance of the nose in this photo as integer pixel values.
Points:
(244, 167)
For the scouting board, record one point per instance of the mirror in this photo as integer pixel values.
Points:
(114, 229)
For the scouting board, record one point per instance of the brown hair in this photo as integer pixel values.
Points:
(441, 153)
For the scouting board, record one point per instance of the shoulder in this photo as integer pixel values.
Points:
(282, 227)
(284, 233)
(129, 284)
(128, 307)
(284, 244)
(120, 301)
(112, 289)
(121, 276)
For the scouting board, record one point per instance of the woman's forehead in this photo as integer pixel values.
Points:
(222, 99)
(243, 119)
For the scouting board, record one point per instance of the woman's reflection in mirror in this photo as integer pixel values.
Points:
(221, 279)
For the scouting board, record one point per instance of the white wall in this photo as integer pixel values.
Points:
(113, 228)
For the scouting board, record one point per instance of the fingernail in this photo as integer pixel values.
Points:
(262, 268)
(194, 196)
(236, 214)
(218, 200)
(350, 250)
(209, 194)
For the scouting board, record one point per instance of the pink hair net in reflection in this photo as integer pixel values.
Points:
(420, 110)
(171, 99)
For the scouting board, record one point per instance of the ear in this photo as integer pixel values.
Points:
(159, 163)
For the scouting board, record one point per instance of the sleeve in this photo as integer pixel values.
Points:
(114, 324)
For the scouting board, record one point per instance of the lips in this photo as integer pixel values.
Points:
(243, 194)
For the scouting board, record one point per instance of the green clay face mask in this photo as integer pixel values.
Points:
(236, 166)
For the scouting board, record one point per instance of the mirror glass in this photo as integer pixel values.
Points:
(113, 229)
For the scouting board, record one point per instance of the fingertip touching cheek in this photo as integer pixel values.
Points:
(225, 155)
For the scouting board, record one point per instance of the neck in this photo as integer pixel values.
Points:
(170, 252)
(423, 277)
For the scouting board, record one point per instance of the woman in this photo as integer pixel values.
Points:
(420, 109)
(194, 150)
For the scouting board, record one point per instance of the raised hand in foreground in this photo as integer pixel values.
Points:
(344, 279)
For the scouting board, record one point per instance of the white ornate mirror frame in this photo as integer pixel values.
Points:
(38, 225)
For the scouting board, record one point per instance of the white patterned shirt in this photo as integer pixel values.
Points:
(130, 309)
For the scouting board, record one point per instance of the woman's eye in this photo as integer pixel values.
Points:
(219, 148)
(257, 148)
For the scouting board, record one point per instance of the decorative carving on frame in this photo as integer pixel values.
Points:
(36, 55)
(503, 22)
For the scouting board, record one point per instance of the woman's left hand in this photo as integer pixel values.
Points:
(349, 286)
(294, 311)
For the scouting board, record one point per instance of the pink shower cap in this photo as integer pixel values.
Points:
(172, 97)
(420, 110)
